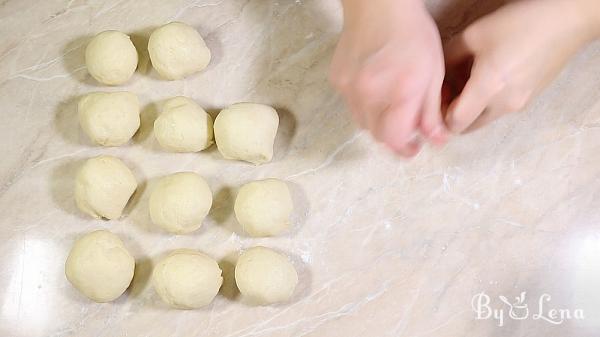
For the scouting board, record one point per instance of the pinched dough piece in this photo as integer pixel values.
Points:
(103, 187)
(109, 118)
(246, 131)
(183, 126)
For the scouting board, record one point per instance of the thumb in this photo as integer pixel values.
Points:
(479, 90)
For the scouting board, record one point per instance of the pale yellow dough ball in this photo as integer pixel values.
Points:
(111, 57)
(265, 276)
(263, 207)
(177, 50)
(103, 187)
(187, 279)
(99, 266)
(179, 202)
(183, 126)
(246, 131)
(109, 118)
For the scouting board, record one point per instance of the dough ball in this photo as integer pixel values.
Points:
(100, 266)
(187, 279)
(103, 187)
(265, 276)
(111, 57)
(177, 50)
(109, 118)
(183, 126)
(180, 202)
(263, 207)
(246, 131)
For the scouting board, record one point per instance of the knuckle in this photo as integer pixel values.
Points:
(339, 81)
(516, 102)
(496, 77)
(429, 126)
(366, 84)
(471, 35)
(406, 89)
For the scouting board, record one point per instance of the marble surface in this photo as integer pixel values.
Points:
(383, 246)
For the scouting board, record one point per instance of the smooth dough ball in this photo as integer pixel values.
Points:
(103, 187)
(111, 57)
(246, 131)
(100, 266)
(109, 118)
(187, 279)
(177, 50)
(180, 202)
(183, 126)
(265, 276)
(263, 207)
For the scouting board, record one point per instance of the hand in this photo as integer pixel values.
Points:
(513, 54)
(389, 67)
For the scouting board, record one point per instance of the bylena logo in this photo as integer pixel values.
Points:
(518, 309)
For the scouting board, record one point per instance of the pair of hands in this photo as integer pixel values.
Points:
(405, 88)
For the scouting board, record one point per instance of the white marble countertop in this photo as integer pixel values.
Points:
(384, 247)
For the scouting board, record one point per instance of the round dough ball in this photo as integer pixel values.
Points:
(111, 57)
(183, 126)
(265, 276)
(109, 118)
(246, 131)
(263, 207)
(187, 279)
(177, 50)
(100, 266)
(103, 187)
(180, 202)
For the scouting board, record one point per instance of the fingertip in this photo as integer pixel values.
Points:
(438, 136)
(452, 119)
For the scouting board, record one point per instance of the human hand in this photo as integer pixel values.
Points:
(389, 67)
(515, 52)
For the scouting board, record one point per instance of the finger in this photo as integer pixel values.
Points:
(486, 117)
(475, 96)
(397, 127)
(358, 115)
(371, 91)
(432, 125)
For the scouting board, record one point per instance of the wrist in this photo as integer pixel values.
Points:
(357, 10)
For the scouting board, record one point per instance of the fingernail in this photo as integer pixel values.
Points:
(438, 135)
(450, 123)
